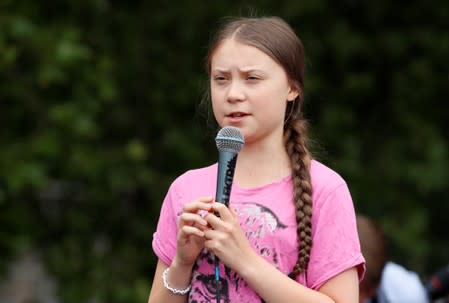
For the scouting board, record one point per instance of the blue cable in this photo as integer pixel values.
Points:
(217, 279)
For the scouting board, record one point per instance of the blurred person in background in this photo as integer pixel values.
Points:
(437, 286)
(385, 281)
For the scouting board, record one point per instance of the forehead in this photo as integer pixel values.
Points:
(233, 53)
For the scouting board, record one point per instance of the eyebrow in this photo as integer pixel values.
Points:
(244, 70)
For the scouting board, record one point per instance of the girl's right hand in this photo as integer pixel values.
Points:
(191, 229)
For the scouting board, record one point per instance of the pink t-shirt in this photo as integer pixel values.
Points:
(267, 216)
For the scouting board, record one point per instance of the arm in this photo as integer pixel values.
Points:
(178, 277)
(274, 286)
(228, 242)
(190, 242)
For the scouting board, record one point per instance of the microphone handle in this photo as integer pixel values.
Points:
(225, 176)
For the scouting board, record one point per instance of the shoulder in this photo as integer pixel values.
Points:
(195, 180)
(196, 175)
(324, 179)
(330, 193)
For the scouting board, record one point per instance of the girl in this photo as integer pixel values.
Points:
(270, 246)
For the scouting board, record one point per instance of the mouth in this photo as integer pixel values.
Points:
(236, 115)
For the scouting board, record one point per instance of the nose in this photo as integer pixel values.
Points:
(236, 92)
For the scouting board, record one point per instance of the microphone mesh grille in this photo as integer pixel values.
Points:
(229, 139)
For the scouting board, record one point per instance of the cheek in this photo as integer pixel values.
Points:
(217, 111)
(215, 97)
(214, 100)
(272, 101)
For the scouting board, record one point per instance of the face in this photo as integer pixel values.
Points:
(249, 90)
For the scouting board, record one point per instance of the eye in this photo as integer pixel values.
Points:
(253, 78)
(219, 78)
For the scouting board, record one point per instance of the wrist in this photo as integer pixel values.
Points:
(250, 266)
(179, 275)
(174, 290)
(181, 266)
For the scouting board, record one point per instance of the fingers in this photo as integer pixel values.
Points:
(221, 218)
(223, 211)
(191, 219)
(203, 214)
(190, 212)
(188, 230)
(203, 203)
(233, 212)
(214, 240)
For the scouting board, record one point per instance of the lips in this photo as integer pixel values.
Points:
(236, 118)
(237, 115)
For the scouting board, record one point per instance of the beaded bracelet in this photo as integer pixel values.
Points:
(180, 292)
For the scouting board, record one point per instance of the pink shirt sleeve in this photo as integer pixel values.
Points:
(336, 245)
(164, 239)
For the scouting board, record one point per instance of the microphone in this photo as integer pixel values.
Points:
(229, 141)
(438, 284)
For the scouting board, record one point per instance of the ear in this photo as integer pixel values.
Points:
(293, 92)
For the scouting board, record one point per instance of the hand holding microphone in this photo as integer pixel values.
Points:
(221, 230)
(192, 225)
(191, 229)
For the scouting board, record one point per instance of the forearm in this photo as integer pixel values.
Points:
(274, 286)
(178, 277)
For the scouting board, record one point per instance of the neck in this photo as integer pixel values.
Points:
(259, 164)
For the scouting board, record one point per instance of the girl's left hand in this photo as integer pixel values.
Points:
(226, 238)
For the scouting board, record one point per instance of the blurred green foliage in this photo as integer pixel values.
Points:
(99, 112)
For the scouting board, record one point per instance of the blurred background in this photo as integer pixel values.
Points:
(100, 111)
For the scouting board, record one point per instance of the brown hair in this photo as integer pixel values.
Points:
(276, 38)
(374, 248)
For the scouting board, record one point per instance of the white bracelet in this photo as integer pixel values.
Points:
(180, 292)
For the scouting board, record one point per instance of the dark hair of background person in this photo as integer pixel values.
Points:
(374, 248)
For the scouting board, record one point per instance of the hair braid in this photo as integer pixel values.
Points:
(296, 146)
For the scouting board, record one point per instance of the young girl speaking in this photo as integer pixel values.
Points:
(289, 233)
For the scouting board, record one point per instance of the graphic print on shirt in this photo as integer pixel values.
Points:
(260, 225)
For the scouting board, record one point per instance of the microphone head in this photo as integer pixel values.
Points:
(229, 139)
